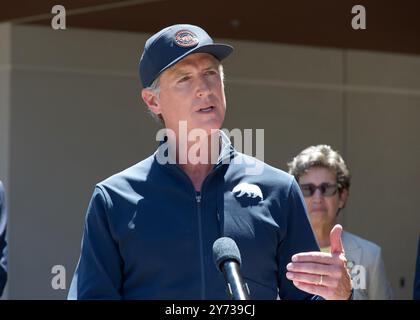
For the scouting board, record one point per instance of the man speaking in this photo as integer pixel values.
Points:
(150, 229)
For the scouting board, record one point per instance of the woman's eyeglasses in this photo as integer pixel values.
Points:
(327, 189)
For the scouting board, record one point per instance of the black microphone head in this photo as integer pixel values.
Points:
(224, 249)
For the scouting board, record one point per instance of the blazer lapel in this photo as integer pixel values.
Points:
(352, 251)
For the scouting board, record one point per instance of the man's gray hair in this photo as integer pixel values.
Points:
(321, 156)
(155, 88)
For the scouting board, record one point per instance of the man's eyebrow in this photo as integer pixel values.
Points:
(213, 66)
(183, 71)
(180, 73)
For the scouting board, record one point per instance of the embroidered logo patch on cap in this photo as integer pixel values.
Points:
(186, 38)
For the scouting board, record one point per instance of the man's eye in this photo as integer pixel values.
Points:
(183, 79)
(211, 72)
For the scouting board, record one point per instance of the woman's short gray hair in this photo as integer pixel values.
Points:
(321, 156)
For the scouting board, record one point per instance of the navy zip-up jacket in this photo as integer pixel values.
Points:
(149, 235)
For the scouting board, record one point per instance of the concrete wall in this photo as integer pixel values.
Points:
(70, 116)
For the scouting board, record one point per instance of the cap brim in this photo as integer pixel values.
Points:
(218, 50)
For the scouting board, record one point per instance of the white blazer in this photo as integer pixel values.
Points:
(367, 268)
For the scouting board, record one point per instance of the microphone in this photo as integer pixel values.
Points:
(227, 258)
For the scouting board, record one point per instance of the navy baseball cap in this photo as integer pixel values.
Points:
(170, 45)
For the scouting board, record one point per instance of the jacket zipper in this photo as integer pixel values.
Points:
(198, 198)
(200, 237)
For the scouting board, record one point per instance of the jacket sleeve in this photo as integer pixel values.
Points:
(299, 238)
(3, 243)
(98, 274)
(378, 286)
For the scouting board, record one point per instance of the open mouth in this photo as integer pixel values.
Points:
(205, 110)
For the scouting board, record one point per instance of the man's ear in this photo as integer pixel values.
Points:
(151, 100)
(343, 195)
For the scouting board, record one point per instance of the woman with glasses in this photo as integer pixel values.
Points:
(325, 182)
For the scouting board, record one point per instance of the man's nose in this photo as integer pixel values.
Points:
(203, 88)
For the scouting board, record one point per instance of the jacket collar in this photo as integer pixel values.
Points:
(167, 155)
